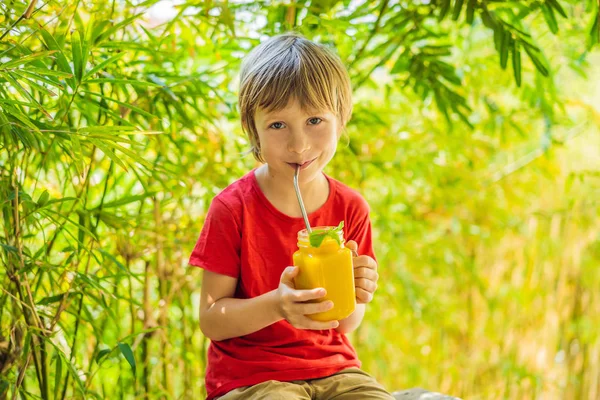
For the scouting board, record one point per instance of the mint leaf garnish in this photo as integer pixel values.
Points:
(316, 237)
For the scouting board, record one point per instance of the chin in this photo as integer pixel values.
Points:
(309, 175)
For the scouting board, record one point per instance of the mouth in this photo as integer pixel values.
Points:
(303, 165)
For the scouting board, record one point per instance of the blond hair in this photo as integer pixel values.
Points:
(290, 66)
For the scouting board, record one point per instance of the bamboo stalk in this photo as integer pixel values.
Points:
(24, 291)
(164, 301)
(145, 340)
(25, 15)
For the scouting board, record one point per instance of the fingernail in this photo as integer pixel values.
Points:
(330, 304)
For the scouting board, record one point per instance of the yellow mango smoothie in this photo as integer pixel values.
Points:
(328, 265)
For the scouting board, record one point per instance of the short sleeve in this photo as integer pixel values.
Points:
(359, 228)
(218, 247)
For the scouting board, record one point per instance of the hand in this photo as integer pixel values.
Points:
(365, 275)
(293, 304)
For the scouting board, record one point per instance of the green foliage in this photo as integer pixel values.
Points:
(316, 237)
(119, 123)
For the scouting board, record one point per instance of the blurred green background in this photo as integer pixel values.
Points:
(475, 139)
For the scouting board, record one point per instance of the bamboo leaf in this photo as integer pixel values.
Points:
(85, 38)
(504, 48)
(444, 10)
(458, 5)
(488, 19)
(102, 65)
(27, 73)
(136, 157)
(77, 154)
(112, 138)
(77, 58)
(106, 150)
(102, 353)
(518, 30)
(124, 81)
(557, 7)
(117, 262)
(401, 63)
(55, 299)
(132, 335)
(57, 376)
(516, 61)
(25, 93)
(27, 343)
(105, 129)
(54, 201)
(26, 121)
(595, 29)
(126, 200)
(15, 103)
(471, 11)
(43, 199)
(550, 18)
(49, 72)
(61, 60)
(536, 61)
(122, 103)
(12, 249)
(442, 104)
(115, 130)
(90, 280)
(26, 60)
(127, 22)
(67, 219)
(34, 85)
(128, 354)
(72, 369)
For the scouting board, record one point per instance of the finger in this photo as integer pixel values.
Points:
(287, 276)
(366, 273)
(300, 296)
(365, 284)
(313, 308)
(364, 261)
(351, 244)
(307, 323)
(362, 296)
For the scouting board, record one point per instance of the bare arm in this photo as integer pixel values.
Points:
(352, 322)
(224, 317)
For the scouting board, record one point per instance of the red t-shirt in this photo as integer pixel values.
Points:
(246, 237)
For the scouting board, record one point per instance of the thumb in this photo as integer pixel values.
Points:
(288, 275)
(351, 244)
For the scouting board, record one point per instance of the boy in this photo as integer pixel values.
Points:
(295, 100)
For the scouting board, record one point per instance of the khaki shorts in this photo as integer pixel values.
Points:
(349, 384)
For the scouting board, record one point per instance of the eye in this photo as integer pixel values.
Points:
(314, 121)
(277, 125)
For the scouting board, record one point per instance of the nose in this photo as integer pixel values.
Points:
(298, 142)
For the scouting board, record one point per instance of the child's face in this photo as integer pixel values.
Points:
(292, 136)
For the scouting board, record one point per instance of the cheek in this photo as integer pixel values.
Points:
(327, 144)
(330, 140)
(270, 143)
(326, 137)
